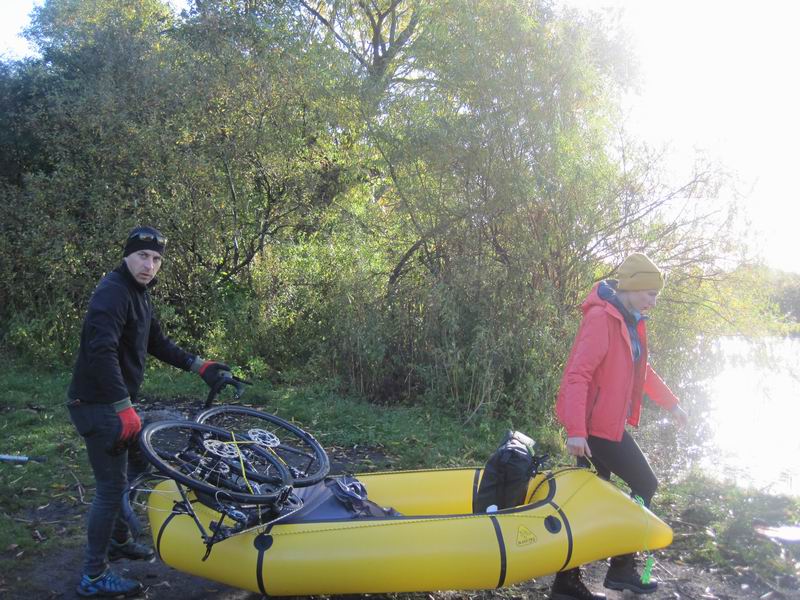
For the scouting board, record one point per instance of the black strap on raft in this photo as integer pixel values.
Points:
(262, 542)
(185, 507)
(179, 507)
(501, 545)
(553, 525)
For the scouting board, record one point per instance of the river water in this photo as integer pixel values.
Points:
(752, 415)
(744, 420)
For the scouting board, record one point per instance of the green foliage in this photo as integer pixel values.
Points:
(785, 292)
(45, 338)
(717, 523)
(406, 200)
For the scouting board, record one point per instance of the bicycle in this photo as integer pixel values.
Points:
(239, 461)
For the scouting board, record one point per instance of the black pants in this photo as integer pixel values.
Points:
(625, 460)
(100, 427)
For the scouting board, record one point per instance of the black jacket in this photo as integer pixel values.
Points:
(118, 332)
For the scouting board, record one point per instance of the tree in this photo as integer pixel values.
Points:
(409, 197)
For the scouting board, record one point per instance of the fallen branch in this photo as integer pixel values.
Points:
(35, 521)
(79, 487)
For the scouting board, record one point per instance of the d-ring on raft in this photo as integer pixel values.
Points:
(570, 517)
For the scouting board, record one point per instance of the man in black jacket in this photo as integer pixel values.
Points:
(119, 331)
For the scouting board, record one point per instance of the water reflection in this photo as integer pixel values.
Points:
(754, 413)
(745, 420)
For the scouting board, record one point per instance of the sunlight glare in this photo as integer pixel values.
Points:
(718, 78)
(753, 417)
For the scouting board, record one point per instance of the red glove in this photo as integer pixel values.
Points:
(131, 424)
(212, 371)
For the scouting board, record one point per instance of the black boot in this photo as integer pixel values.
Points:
(569, 586)
(622, 575)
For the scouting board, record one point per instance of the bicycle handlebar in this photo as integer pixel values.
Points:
(226, 378)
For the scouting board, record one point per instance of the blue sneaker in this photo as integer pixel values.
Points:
(108, 585)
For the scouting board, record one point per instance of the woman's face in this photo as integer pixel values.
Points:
(641, 300)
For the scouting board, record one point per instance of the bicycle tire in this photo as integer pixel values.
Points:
(293, 451)
(280, 481)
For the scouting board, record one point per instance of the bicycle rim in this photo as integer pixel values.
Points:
(212, 461)
(306, 458)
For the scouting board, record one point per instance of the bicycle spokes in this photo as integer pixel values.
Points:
(297, 449)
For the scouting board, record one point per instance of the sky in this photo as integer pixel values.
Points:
(717, 78)
(720, 78)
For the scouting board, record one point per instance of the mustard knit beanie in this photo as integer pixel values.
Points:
(637, 272)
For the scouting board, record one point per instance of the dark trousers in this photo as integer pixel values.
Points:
(100, 427)
(625, 460)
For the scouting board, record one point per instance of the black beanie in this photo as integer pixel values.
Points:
(145, 238)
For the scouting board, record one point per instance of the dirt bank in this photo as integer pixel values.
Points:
(55, 576)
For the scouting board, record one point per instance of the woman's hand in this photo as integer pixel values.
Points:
(578, 446)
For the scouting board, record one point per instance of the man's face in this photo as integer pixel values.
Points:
(143, 265)
(643, 300)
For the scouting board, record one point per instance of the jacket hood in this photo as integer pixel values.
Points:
(603, 293)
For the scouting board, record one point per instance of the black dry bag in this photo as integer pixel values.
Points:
(507, 473)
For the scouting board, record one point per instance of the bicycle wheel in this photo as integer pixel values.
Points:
(307, 460)
(215, 462)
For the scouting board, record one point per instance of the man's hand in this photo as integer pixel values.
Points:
(679, 415)
(578, 446)
(212, 372)
(131, 424)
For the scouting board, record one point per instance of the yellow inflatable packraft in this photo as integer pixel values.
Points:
(570, 517)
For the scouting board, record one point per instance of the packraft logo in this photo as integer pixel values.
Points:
(525, 536)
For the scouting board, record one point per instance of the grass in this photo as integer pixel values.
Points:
(715, 524)
(36, 498)
(42, 506)
(412, 437)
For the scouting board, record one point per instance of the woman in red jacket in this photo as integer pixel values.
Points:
(602, 387)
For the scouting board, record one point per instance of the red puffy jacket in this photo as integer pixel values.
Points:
(602, 387)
